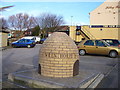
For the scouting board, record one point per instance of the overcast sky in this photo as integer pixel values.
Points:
(75, 12)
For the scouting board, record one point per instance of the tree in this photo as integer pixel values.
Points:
(35, 31)
(49, 22)
(21, 21)
(3, 23)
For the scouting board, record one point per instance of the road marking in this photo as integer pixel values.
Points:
(111, 70)
(92, 62)
(23, 64)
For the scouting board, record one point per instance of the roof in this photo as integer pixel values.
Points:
(4, 31)
(63, 28)
(28, 30)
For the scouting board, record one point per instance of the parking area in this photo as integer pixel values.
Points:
(19, 59)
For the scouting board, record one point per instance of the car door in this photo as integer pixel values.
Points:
(21, 42)
(89, 46)
(101, 47)
(28, 42)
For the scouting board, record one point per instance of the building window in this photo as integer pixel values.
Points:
(89, 43)
(78, 27)
(78, 33)
(97, 26)
(113, 12)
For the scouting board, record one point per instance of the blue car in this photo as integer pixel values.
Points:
(24, 43)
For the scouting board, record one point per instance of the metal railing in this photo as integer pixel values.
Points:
(87, 33)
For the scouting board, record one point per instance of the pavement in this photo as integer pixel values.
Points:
(35, 80)
(4, 48)
(19, 59)
(110, 80)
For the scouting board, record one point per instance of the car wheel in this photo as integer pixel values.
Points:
(82, 52)
(33, 46)
(14, 46)
(28, 46)
(113, 54)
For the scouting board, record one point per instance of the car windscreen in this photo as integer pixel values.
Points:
(33, 39)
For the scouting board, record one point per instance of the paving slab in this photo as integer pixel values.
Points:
(35, 80)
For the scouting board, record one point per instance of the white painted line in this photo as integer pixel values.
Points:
(23, 64)
(111, 70)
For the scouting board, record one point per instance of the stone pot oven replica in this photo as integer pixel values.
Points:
(59, 56)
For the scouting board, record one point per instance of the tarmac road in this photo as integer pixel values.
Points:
(19, 59)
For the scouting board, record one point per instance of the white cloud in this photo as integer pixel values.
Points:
(76, 23)
(80, 23)
(31, 12)
(2, 16)
(34, 13)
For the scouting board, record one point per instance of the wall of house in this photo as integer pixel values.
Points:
(102, 33)
(3, 41)
(105, 33)
(72, 34)
(106, 14)
(95, 33)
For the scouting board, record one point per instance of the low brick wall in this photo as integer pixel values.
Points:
(59, 56)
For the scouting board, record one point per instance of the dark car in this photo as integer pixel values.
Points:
(112, 42)
(42, 40)
(24, 43)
